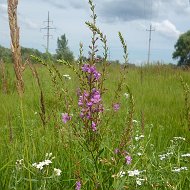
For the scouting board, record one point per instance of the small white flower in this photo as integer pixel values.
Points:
(126, 95)
(47, 162)
(57, 172)
(121, 174)
(164, 156)
(139, 181)
(185, 155)
(135, 121)
(67, 77)
(39, 166)
(137, 138)
(179, 169)
(179, 138)
(134, 173)
(139, 154)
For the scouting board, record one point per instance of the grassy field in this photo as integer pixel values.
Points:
(92, 162)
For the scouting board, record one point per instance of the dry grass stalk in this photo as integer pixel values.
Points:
(4, 78)
(42, 102)
(15, 47)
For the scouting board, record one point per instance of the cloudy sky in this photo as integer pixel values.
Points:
(169, 19)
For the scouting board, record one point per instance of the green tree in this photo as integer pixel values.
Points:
(182, 49)
(63, 51)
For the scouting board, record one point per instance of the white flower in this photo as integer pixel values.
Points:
(40, 165)
(139, 154)
(179, 169)
(185, 155)
(47, 162)
(67, 77)
(139, 181)
(135, 121)
(164, 156)
(57, 172)
(137, 138)
(134, 173)
(121, 174)
(179, 138)
(126, 95)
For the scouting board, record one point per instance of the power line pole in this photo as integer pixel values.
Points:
(149, 43)
(48, 28)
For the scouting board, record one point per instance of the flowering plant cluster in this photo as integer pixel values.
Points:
(90, 104)
(48, 160)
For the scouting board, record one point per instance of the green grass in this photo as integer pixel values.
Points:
(159, 95)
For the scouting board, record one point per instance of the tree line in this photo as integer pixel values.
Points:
(181, 52)
(62, 52)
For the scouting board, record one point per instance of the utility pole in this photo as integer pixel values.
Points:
(48, 28)
(149, 43)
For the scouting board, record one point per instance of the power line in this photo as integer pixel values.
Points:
(149, 42)
(48, 28)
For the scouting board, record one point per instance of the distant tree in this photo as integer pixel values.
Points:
(5, 54)
(63, 51)
(182, 49)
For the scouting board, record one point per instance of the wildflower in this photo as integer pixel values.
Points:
(40, 165)
(137, 138)
(179, 169)
(67, 77)
(65, 117)
(179, 138)
(134, 173)
(116, 107)
(139, 181)
(126, 95)
(164, 156)
(91, 70)
(19, 163)
(78, 185)
(185, 155)
(94, 126)
(116, 151)
(139, 153)
(128, 159)
(57, 172)
(135, 121)
(121, 174)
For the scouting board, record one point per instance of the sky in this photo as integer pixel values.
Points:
(169, 19)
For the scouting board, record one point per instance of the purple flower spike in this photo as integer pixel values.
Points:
(128, 159)
(91, 70)
(94, 126)
(116, 107)
(65, 117)
(78, 185)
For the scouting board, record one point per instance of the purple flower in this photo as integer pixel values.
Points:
(91, 69)
(65, 117)
(85, 67)
(116, 107)
(96, 75)
(128, 159)
(78, 185)
(116, 151)
(94, 126)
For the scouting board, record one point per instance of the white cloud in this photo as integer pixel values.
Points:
(167, 29)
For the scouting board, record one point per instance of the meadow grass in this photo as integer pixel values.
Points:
(159, 95)
(92, 126)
